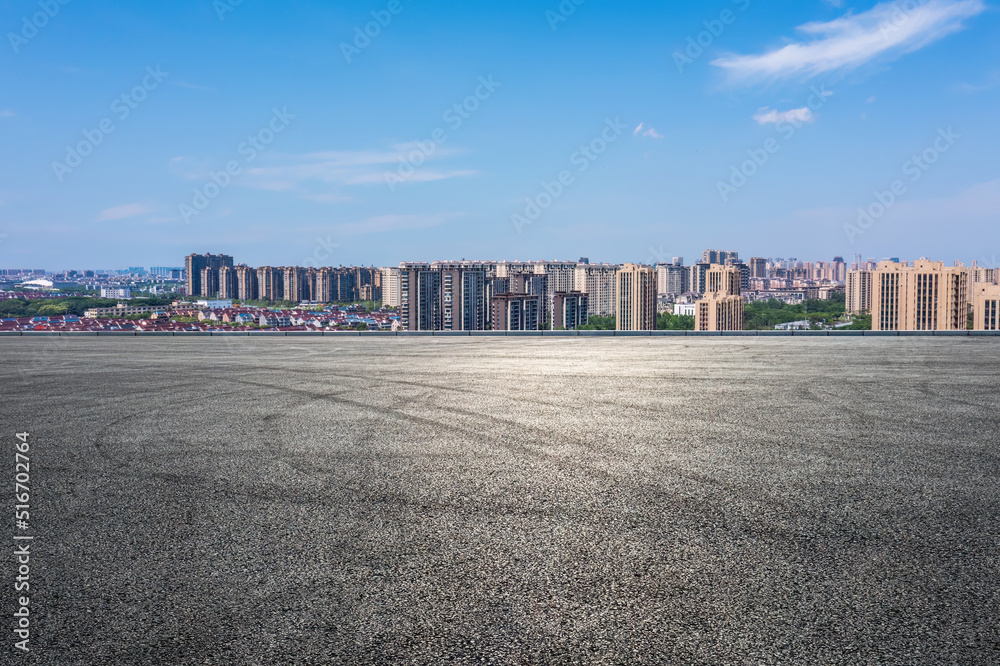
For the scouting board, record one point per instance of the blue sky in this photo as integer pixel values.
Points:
(597, 129)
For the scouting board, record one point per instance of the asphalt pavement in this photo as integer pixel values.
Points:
(506, 500)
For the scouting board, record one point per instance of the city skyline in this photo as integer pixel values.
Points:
(377, 149)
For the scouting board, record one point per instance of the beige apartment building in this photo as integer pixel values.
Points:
(391, 296)
(721, 309)
(859, 291)
(924, 297)
(635, 298)
(598, 282)
(986, 307)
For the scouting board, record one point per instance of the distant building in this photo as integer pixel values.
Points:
(247, 286)
(121, 293)
(598, 282)
(722, 307)
(444, 296)
(560, 277)
(274, 320)
(635, 298)
(986, 307)
(671, 279)
(196, 265)
(686, 309)
(569, 310)
(269, 284)
(217, 304)
(390, 288)
(121, 311)
(227, 283)
(859, 291)
(168, 272)
(758, 267)
(924, 297)
(696, 277)
(719, 256)
(515, 312)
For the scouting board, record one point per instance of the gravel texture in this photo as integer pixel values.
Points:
(508, 501)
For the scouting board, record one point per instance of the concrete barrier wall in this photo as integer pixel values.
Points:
(509, 334)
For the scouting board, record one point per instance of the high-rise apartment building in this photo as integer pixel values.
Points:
(725, 280)
(515, 312)
(859, 291)
(227, 283)
(390, 288)
(246, 283)
(744, 270)
(758, 267)
(195, 265)
(721, 309)
(210, 285)
(560, 276)
(671, 279)
(420, 297)
(444, 296)
(295, 284)
(635, 298)
(986, 307)
(924, 297)
(696, 277)
(598, 282)
(532, 284)
(269, 283)
(569, 310)
(719, 256)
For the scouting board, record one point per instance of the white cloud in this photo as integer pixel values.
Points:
(794, 116)
(649, 132)
(888, 29)
(6, 113)
(122, 212)
(320, 176)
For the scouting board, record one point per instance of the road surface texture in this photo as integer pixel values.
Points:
(508, 501)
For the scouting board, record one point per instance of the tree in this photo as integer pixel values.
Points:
(599, 324)
(667, 321)
(861, 322)
(361, 327)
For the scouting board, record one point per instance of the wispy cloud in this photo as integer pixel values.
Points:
(650, 132)
(794, 116)
(123, 212)
(322, 176)
(6, 113)
(886, 30)
(991, 81)
(303, 174)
